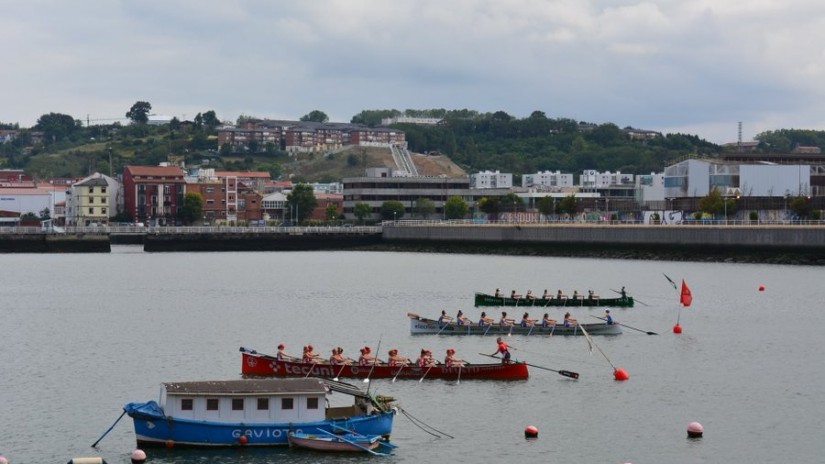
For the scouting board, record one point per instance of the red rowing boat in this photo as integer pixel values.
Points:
(254, 363)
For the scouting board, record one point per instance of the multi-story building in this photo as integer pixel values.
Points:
(592, 179)
(490, 179)
(547, 181)
(153, 194)
(92, 200)
(695, 178)
(227, 198)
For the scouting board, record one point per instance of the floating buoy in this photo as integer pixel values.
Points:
(3, 460)
(761, 288)
(169, 443)
(677, 329)
(89, 460)
(695, 430)
(242, 439)
(138, 456)
(531, 431)
(620, 374)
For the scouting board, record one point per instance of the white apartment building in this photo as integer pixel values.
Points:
(592, 179)
(547, 180)
(490, 179)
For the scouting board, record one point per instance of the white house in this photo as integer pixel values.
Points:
(547, 180)
(489, 179)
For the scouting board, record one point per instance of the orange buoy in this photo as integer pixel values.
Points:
(169, 443)
(620, 374)
(242, 439)
(761, 288)
(695, 430)
(677, 329)
(531, 432)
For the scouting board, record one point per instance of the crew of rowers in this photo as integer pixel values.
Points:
(366, 358)
(526, 321)
(547, 295)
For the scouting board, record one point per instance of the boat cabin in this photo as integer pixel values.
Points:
(248, 400)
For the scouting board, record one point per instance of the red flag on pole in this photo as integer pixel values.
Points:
(686, 298)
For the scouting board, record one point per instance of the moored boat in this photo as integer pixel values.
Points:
(255, 412)
(345, 442)
(422, 325)
(258, 364)
(483, 299)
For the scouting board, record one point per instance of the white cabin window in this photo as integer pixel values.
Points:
(312, 403)
(237, 404)
(211, 404)
(186, 404)
(287, 403)
(263, 404)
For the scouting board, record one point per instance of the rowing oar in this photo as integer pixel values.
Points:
(629, 327)
(572, 375)
(109, 429)
(340, 371)
(458, 380)
(399, 371)
(634, 298)
(425, 374)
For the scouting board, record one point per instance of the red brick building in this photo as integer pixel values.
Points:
(227, 199)
(153, 194)
(325, 199)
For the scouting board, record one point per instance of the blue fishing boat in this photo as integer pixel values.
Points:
(256, 412)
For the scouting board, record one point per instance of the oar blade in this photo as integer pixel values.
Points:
(572, 375)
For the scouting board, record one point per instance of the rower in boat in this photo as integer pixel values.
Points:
(498, 293)
(460, 318)
(367, 358)
(546, 321)
(560, 295)
(530, 295)
(426, 359)
(503, 349)
(526, 321)
(546, 295)
(484, 320)
(575, 295)
(624, 295)
(394, 359)
(515, 295)
(505, 321)
(282, 355)
(452, 361)
(444, 319)
(607, 317)
(310, 357)
(338, 357)
(569, 321)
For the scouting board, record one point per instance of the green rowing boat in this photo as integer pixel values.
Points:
(483, 299)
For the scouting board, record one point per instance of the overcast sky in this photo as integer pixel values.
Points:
(690, 66)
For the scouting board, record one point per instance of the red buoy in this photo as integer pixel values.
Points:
(677, 329)
(242, 439)
(695, 430)
(531, 432)
(761, 288)
(169, 443)
(620, 374)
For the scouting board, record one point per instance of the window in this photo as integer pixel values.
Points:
(287, 403)
(211, 404)
(210, 189)
(210, 201)
(312, 403)
(103, 211)
(102, 189)
(91, 211)
(91, 200)
(186, 404)
(237, 404)
(263, 404)
(103, 200)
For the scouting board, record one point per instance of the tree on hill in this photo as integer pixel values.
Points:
(57, 127)
(315, 116)
(139, 112)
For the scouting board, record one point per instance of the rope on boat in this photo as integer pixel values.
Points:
(423, 426)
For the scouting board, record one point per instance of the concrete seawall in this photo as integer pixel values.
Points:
(54, 243)
(257, 241)
(782, 244)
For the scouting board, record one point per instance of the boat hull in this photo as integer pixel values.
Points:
(482, 299)
(420, 326)
(154, 428)
(263, 365)
(334, 444)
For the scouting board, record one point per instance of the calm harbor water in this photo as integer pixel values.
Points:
(84, 334)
